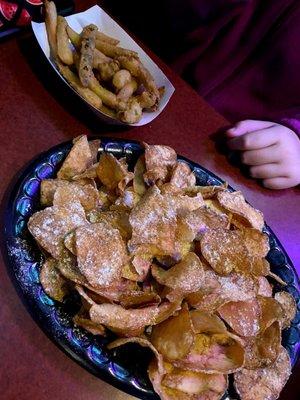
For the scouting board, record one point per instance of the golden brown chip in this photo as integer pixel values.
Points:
(174, 337)
(217, 353)
(67, 266)
(195, 223)
(241, 316)
(139, 185)
(128, 199)
(50, 226)
(235, 203)
(88, 176)
(52, 281)
(264, 383)
(158, 160)
(100, 294)
(48, 188)
(139, 299)
(221, 289)
(224, 250)
(204, 322)
(271, 310)
(195, 384)
(257, 243)
(117, 219)
(83, 321)
(113, 173)
(153, 223)
(208, 192)
(78, 160)
(94, 148)
(101, 253)
(264, 287)
(182, 177)
(289, 308)
(264, 348)
(185, 277)
(87, 195)
(124, 321)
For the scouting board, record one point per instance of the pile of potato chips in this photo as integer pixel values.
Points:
(109, 77)
(173, 266)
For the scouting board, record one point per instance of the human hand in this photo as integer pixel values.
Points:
(271, 150)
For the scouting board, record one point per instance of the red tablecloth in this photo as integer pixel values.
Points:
(37, 113)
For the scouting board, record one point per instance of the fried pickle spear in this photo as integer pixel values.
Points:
(106, 66)
(74, 81)
(114, 51)
(75, 37)
(108, 98)
(85, 68)
(51, 24)
(63, 45)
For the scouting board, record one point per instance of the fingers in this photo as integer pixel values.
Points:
(278, 183)
(255, 140)
(248, 125)
(266, 171)
(267, 155)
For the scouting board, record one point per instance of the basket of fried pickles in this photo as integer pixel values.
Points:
(112, 79)
(173, 266)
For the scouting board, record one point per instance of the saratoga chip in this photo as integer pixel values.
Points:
(256, 242)
(139, 185)
(264, 383)
(264, 287)
(78, 160)
(182, 177)
(50, 225)
(117, 219)
(289, 308)
(235, 203)
(210, 386)
(224, 250)
(221, 289)
(174, 337)
(87, 195)
(159, 160)
(197, 222)
(153, 223)
(113, 173)
(82, 320)
(204, 322)
(264, 348)
(185, 277)
(52, 281)
(101, 253)
(214, 353)
(125, 321)
(271, 310)
(241, 316)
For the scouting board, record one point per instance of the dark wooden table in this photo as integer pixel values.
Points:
(37, 112)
